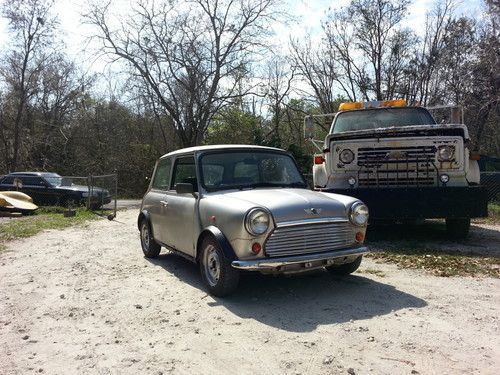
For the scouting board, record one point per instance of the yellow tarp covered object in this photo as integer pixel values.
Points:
(16, 201)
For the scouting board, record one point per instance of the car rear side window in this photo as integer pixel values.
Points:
(185, 172)
(162, 175)
(32, 181)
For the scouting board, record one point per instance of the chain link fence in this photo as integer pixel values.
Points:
(97, 193)
(491, 181)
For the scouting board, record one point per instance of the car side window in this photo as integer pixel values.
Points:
(162, 174)
(32, 181)
(9, 180)
(184, 172)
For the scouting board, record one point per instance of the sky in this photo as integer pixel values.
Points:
(308, 13)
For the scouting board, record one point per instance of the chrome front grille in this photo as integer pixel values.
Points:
(309, 238)
(397, 166)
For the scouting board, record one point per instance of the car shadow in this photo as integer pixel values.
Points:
(300, 303)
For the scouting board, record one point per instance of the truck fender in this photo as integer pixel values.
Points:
(473, 173)
(224, 244)
(320, 177)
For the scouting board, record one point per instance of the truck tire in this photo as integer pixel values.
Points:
(345, 269)
(458, 228)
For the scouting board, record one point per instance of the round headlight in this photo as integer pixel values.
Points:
(359, 214)
(346, 156)
(257, 221)
(446, 153)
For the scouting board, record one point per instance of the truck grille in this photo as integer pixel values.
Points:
(309, 238)
(397, 166)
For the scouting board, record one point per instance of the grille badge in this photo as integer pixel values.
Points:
(398, 155)
(313, 211)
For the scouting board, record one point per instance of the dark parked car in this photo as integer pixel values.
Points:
(51, 189)
(490, 176)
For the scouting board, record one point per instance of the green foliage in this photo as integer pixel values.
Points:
(232, 125)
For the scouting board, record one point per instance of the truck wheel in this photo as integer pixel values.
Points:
(217, 273)
(345, 269)
(457, 228)
(149, 246)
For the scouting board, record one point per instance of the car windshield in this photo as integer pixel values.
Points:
(239, 170)
(380, 118)
(54, 180)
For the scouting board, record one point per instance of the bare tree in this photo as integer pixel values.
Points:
(317, 68)
(277, 88)
(31, 27)
(190, 54)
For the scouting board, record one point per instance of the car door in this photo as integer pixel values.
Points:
(181, 217)
(36, 188)
(155, 200)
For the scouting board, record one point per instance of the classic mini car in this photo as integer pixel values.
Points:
(49, 188)
(236, 208)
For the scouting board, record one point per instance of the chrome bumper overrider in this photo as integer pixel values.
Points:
(309, 261)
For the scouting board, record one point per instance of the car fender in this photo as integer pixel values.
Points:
(144, 215)
(222, 241)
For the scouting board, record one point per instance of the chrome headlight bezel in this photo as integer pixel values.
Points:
(252, 216)
(359, 210)
(346, 156)
(446, 153)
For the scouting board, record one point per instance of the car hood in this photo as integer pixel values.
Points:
(291, 204)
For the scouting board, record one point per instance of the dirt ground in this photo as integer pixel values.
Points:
(85, 301)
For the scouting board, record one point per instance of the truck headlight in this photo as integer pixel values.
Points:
(346, 156)
(446, 153)
(358, 214)
(257, 221)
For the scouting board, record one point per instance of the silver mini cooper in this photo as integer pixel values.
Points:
(230, 208)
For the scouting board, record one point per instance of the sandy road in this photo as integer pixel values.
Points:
(85, 301)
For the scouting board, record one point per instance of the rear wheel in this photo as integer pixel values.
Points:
(150, 248)
(458, 228)
(217, 273)
(345, 269)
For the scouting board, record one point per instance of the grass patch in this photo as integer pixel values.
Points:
(44, 218)
(441, 263)
(493, 215)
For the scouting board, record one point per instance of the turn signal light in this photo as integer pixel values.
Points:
(350, 106)
(359, 237)
(319, 159)
(394, 103)
(474, 156)
(256, 248)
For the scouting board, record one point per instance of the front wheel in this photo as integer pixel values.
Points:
(217, 273)
(458, 228)
(150, 248)
(345, 269)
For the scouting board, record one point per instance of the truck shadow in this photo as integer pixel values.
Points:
(300, 303)
(431, 235)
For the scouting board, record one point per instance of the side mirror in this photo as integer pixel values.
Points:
(184, 188)
(309, 129)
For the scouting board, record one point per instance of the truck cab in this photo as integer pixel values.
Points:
(402, 164)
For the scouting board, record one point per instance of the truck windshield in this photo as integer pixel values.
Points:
(380, 118)
(240, 170)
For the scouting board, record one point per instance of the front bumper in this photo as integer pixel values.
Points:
(300, 263)
(421, 202)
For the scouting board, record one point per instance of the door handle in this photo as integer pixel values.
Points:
(164, 203)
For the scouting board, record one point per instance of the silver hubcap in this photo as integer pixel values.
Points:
(212, 265)
(145, 235)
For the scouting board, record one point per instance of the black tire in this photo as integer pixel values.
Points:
(345, 269)
(217, 273)
(150, 247)
(457, 228)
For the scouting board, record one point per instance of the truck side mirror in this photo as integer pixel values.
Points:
(309, 128)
